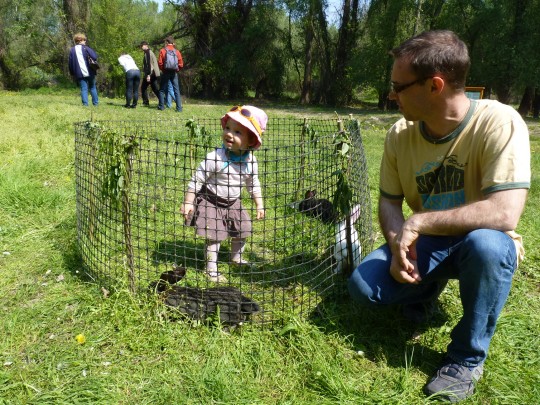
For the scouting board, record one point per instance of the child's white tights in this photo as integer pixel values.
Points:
(212, 249)
(237, 248)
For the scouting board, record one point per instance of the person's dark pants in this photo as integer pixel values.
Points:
(153, 85)
(166, 77)
(133, 78)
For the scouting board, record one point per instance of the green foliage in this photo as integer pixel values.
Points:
(237, 48)
(342, 142)
(34, 78)
(118, 26)
(113, 154)
(241, 48)
(198, 133)
(30, 37)
(197, 136)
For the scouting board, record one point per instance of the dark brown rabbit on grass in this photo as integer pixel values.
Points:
(204, 304)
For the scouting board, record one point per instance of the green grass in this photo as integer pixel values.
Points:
(133, 354)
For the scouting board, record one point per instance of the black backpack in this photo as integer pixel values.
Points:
(171, 60)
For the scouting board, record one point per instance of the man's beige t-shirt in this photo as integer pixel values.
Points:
(488, 152)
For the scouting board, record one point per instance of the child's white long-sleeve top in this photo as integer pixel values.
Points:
(224, 176)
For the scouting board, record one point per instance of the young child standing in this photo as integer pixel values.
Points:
(212, 201)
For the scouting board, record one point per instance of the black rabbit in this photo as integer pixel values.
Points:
(203, 304)
(319, 208)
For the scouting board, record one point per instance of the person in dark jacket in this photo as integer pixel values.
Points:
(80, 69)
(150, 73)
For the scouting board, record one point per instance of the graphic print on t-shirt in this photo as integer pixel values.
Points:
(441, 186)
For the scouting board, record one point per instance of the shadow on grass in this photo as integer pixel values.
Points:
(304, 268)
(64, 238)
(381, 332)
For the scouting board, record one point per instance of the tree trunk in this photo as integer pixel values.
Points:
(77, 13)
(10, 76)
(339, 86)
(536, 103)
(326, 59)
(526, 101)
(305, 97)
(203, 44)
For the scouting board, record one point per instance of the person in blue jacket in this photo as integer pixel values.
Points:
(80, 69)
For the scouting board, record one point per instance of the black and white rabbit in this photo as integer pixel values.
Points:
(319, 208)
(203, 303)
(340, 249)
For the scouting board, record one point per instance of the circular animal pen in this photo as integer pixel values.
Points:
(131, 177)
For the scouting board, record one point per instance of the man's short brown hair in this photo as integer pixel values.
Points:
(436, 52)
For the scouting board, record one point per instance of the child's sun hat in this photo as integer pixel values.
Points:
(251, 117)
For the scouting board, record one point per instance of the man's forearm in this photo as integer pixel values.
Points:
(391, 218)
(499, 211)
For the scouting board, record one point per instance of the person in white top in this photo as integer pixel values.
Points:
(212, 201)
(133, 78)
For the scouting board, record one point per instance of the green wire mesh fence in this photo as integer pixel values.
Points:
(131, 177)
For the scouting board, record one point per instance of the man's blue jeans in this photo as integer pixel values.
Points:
(166, 78)
(170, 94)
(483, 261)
(85, 84)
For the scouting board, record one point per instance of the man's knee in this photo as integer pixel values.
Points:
(359, 290)
(489, 246)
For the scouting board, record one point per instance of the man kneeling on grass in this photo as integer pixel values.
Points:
(463, 167)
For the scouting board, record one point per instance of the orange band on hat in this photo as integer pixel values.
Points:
(247, 114)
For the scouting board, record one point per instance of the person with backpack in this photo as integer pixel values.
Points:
(81, 70)
(170, 62)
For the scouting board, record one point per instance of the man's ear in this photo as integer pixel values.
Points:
(437, 84)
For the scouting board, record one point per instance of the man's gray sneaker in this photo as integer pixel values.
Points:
(453, 382)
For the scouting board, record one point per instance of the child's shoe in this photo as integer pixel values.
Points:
(240, 262)
(215, 276)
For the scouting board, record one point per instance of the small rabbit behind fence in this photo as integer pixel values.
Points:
(319, 208)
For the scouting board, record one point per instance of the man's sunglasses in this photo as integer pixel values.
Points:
(247, 114)
(398, 88)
